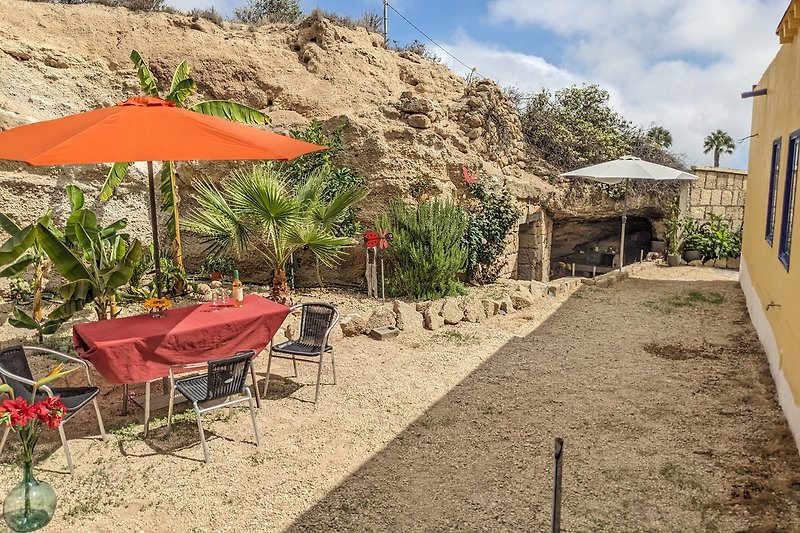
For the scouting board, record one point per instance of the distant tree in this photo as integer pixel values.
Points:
(259, 11)
(719, 142)
(660, 136)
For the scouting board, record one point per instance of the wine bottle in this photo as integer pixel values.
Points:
(238, 290)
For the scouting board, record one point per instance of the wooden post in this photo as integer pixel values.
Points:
(573, 270)
(383, 283)
(594, 271)
(641, 255)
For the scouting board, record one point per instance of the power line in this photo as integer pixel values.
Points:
(442, 48)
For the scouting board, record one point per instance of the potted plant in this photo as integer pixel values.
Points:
(693, 241)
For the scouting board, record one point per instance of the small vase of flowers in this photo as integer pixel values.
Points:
(157, 307)
(31, 504)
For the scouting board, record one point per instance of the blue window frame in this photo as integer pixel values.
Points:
(790, 188)
(772, 200)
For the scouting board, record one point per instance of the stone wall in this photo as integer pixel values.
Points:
(718, 191)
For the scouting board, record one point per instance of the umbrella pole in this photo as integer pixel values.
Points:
(154, 224)
(624, 221)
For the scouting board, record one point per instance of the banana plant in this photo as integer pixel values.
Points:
(95, 260)
(181, 88)
(18, 254)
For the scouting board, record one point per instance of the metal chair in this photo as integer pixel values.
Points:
(316, 323)
(15, 371)
(225, 377)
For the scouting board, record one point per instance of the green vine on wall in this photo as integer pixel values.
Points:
(492, 214)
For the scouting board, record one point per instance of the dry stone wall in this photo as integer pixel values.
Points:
(718, 191)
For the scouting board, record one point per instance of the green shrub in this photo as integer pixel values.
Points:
(428, 250)
(212, 263)
(261, 11)
(491, 217)
(719, 240)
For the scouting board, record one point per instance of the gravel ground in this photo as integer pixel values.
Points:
(658, 386)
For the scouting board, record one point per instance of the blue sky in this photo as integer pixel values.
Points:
(677, 63)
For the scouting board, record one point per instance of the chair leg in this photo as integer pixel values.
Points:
(333, 368)
(66, 449)
(269, 364)
(319, 376)
(202, 433)
(294, 364)
(170, 408)
(5, 436)
(255, 385)
(99, 419)
(253, 416)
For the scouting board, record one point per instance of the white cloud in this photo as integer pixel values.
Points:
(678, 63)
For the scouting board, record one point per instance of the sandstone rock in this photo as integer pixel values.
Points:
(473, 310)
(720, 263)
(474, 133)
(474, 121)
(539, 289)
(604, 281)
(415, 106)
(419, 121)
(491, 307)
(203, 288)
(384, 332)
(506, 305)
(408, 318)
(353, 325)
(216, 284)
(433, 320)
(422, 306)
(336, 334)
(452, 312)
(292, 327)
(696, 263)
(521, 299)
(733, 263)
(708, 263)
(382, 316)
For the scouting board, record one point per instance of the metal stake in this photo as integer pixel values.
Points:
(558, 456)
(383, 283)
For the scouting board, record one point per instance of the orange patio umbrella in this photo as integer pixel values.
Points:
(145, 128)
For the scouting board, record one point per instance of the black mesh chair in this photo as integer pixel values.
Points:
(225, 377)
(15, 371)
(316, 322)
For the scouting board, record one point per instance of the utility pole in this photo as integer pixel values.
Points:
(386, 23)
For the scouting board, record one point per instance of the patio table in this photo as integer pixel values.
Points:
(141, 348)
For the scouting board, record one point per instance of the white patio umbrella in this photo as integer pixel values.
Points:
(624, 169)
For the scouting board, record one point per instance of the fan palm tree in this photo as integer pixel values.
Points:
(660, 136)
(181, 88)
(255, 210)
(720, 142)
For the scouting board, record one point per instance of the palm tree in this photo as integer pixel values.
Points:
(660, 136)
(720, 142)
(181, 88)
(256, 210)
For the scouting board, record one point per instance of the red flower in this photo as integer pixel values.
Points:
(50, 411)
(469, 177)
(19, 410)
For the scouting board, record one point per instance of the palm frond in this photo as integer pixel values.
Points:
(327, 247)
(261, 194)
(219, 226)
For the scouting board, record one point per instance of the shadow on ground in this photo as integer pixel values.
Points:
(666, 405)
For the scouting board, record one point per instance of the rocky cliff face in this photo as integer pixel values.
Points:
(404, 117)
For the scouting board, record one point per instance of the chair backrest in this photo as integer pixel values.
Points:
(226, 376)
(316, 321)
(14, 361)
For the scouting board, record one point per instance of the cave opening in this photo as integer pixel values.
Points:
(592, 246)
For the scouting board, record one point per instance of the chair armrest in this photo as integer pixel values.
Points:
(61, 355)
(186, 366)
(17, 378)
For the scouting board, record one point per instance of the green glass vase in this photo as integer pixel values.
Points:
(31, 504)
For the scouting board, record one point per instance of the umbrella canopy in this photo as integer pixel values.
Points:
(145, 128)
(629, 167)
(624, 169)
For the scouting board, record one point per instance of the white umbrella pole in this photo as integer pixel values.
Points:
(624, 221)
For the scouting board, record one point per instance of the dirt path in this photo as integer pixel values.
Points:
(658, 386)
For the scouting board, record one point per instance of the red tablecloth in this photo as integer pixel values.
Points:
(140, 348)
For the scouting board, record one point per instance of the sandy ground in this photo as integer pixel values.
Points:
(658, 386)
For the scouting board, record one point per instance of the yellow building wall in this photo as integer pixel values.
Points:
(775, 115)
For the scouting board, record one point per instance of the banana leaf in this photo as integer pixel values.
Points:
(76, 296)
(231, 111)
(64, 259)
(20, 319)
(146, 79)
(75, 196)
(181, 91)
(8, 225)
(18, 267)
(17, 245)
(115, 176)
(121, 272)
